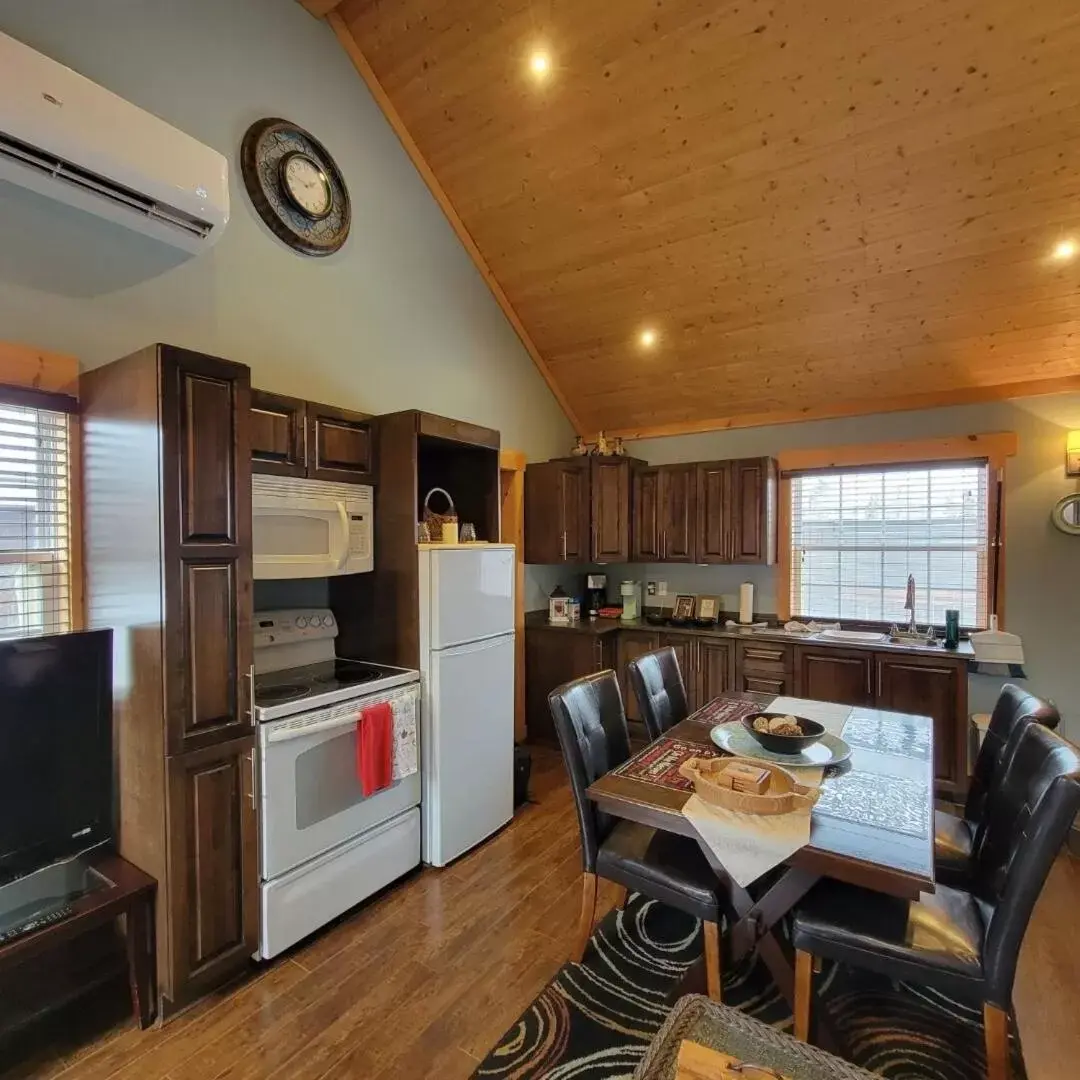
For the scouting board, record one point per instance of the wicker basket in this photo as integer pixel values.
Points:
(436, 521)
(783, 794)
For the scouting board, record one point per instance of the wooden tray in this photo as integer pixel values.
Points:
(783, 794)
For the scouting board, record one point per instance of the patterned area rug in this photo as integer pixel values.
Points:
(594, 1020)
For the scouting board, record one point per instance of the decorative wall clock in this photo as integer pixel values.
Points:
(295, 186)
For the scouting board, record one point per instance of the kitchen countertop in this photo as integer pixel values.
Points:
(600, 627)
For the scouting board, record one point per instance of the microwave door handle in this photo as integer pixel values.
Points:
(343, 519)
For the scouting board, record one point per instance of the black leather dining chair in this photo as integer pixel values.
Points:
(593, 734)
(964, 941)
(659, 689)
(954, 836)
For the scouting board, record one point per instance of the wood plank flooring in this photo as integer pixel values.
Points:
(421, 981)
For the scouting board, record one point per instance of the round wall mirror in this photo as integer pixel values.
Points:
(1066, 514)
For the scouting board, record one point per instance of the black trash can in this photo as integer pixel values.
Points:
(522, 769)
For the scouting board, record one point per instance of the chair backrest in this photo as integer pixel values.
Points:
(1028, 816)
(659, 689)
(1014, 706)
(591, 726)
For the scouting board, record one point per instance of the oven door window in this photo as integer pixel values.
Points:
(326, 780)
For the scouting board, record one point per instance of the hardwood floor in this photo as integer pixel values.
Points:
(421, 981)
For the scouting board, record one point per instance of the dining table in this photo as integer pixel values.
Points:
(872, 825)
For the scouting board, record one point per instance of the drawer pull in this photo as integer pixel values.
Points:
(763, 654)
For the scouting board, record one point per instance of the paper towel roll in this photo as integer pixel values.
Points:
(746, 602)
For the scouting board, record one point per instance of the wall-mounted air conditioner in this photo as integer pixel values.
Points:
(66, 137)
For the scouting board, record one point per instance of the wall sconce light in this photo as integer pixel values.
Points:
(1072, 454)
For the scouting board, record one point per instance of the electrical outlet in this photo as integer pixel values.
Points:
(650, 588)
(661, 588)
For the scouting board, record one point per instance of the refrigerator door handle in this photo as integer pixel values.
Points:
(480, 645)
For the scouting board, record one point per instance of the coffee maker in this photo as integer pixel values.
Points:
(595, 593)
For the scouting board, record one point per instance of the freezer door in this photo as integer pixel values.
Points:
(471, 594)
(468, 746)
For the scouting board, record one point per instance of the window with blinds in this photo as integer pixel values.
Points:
(856, 535)
(35, 585)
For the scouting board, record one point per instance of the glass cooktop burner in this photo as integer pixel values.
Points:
(293, 684)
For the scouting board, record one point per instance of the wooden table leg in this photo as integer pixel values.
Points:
(141, 954)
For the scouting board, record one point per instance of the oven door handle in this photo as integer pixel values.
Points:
(287, 734)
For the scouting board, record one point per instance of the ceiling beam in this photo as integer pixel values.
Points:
(319, 8)
(366, 72)
(971, 395)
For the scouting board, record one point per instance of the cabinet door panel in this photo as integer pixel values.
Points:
(927, 687)
(633, 643)
(207, 420)
(714, 669)
(339, 445)
(686, 653)
(553, 657)
(278, 434)
(574, 513)
(714, 537)
(678, 497)
(753, 510)
(206, 525)
(610, 497)
(213, 889)
(645, 530)
(835, 675)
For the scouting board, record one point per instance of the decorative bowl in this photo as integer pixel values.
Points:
(784, 744)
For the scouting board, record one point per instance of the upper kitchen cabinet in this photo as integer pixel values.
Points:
(715, 536)
(577, 510)
(753, 510)
(290, 437)
(664, 514)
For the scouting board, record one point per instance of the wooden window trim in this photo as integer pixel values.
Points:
(47, 380)
(994, 447)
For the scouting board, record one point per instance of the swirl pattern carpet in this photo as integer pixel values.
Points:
(594, 1020)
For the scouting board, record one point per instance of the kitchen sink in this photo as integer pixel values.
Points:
(852, 635)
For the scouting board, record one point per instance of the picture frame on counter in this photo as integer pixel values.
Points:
(684, 607)
(708, 609)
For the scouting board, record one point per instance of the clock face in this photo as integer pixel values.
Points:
(306, 184)
(295, 186)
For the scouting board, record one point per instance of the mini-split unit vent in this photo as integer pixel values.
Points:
(69, 139)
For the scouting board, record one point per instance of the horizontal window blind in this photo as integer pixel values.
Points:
(35, 585)
(856, 535)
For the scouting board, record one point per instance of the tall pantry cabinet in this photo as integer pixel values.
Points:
(168, 566)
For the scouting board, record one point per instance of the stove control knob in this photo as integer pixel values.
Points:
(301, 622)
(328, 620)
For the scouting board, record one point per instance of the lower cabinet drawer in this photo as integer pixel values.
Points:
(765, 656)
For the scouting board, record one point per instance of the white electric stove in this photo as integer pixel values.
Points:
(323, 846)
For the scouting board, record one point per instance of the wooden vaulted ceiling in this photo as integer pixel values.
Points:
(820, 207)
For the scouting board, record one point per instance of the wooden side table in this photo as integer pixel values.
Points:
(130, 893)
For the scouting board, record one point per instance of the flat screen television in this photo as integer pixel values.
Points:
(55, 748)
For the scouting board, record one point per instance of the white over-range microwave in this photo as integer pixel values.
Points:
(310, 528)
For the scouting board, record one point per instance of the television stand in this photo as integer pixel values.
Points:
(117, 888)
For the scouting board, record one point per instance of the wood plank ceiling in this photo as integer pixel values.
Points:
(817, 206)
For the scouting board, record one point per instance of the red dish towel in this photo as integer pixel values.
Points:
(375, 747)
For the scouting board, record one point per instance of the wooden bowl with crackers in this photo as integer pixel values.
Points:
(747, 785)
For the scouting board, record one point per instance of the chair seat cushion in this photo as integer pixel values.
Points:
(664, 867)
(953, 839)
(935, 940)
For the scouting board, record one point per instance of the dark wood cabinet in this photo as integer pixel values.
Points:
(213, 862)
(631, 644)
(715, 535)
(715, 669)
(645, 515)
(842, 675)
(339, 445)
(278, 434)
(553, 656)
(609, 485)
(764, 667)
(290, 437)
(927, 686)
(686, 652)
(753, 501)
(557, 512)
(167, 537)
(678, 520)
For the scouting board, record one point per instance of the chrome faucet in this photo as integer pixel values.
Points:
(909, 604)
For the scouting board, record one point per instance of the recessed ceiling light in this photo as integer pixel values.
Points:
(540, 64)
(1064, 250)
(647, 338)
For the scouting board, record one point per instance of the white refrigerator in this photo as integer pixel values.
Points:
(467, 703)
